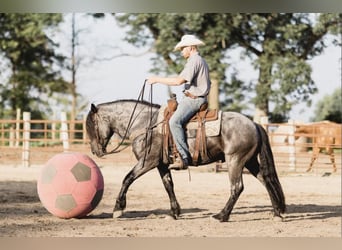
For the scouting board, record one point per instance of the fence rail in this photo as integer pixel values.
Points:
(29, 142)
(46, 132)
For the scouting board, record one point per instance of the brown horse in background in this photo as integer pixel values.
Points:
(325, 135)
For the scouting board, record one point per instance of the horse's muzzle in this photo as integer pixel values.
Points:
(99, 153)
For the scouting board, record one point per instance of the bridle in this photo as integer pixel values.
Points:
(119, 147)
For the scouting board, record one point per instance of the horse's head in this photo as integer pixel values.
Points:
(99, 131)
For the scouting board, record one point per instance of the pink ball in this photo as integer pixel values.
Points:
(70, 185)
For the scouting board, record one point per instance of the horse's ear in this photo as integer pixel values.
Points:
(93, 108)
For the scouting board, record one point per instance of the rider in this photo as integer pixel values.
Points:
(195, 77)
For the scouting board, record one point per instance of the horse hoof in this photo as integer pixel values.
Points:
(220, 217)
(117, 214)
(216, 216)
(278, 219)
(170, 217)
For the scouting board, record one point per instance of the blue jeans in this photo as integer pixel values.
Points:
(186, 109)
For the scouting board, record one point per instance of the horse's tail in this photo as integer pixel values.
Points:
(268, 171)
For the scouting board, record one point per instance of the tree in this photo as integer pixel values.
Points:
(233, 94)
(329, 108)
(279, 46)
(163, 31)
(72, 65)
(31, 61)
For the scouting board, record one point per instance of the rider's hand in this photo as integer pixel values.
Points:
(151, 80)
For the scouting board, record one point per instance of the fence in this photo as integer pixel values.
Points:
(296, 146)
(25, 142)
(27, 134)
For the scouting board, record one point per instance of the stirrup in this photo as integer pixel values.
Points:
(179, 164)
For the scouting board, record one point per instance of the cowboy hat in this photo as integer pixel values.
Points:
(188, 40)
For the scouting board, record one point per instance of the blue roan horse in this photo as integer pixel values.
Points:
(240, 144)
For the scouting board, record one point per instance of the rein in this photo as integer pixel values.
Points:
(131, 122)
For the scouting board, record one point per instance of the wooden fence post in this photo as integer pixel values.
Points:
(17, 128)
(292, 147)
(26, 139)
(53, 127)
(264, 122)
(11, 137)
(64, 131)
(84, 133)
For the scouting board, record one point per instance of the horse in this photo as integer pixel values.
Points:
(325, 135)
(240, 144)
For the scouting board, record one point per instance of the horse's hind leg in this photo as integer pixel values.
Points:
(254, 168)
(166, 177)
(330, 151)
(236, 187)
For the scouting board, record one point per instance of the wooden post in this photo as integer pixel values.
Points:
(84, 134)
(53, 128)
(11, 137)
(292, 148)
(26, 139)
(213, 97)
(264, 122)
(17, 128)
(64, 131)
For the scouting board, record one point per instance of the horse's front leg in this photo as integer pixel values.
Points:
(138, 170)
(315, 152)
(166, 177)
(120, 203)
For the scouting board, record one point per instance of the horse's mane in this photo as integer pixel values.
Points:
(130, 100)
(90, 122)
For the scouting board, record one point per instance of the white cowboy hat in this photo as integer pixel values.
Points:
(188, 40)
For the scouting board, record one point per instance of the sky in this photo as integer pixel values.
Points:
(123, 77)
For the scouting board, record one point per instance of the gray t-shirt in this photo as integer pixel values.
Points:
(196, 74)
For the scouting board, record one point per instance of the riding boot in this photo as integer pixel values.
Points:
(179, 164)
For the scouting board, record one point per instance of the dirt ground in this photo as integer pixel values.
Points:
(313, 206)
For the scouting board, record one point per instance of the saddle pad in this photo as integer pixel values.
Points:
(212, 128)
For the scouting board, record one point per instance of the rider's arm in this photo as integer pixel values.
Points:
(171, 81)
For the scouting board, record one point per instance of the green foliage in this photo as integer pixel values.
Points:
(163, 31)
(292, 84)
(329, 108)
(31, 60)
(233, 94)
(279, 45)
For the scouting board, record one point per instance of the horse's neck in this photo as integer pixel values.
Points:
(129, 117)
(306, 129)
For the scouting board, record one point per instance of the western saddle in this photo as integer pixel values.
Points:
(200, 155)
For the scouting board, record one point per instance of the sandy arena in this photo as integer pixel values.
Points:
(313, 206)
